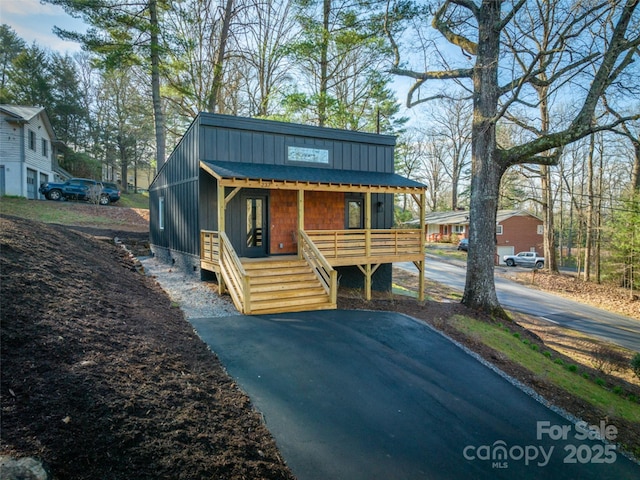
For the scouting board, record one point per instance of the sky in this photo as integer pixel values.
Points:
(34, 21)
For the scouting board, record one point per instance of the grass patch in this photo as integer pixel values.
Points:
(134, 200)
(62, 213)
(400, 290)
(545, 367)
(446, 253)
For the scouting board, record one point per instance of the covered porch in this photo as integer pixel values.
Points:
(304, 277)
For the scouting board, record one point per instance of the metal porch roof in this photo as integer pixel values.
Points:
(309, 175)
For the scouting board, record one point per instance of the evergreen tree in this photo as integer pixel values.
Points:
(30, 81)
(10, 47)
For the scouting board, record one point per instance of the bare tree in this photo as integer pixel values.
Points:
(270, 28)
(451, 126)
(200, 36)
(477, 28)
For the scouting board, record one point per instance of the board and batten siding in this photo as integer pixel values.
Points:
(190, 194)
(232, 139)
(177, 183)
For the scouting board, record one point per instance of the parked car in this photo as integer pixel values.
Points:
(112, 190)
(463, 244)
(73, 189)
(524, 259)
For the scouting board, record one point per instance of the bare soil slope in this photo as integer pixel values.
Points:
(102, 378)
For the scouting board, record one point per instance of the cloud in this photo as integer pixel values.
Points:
(30, 7)
(34, 22)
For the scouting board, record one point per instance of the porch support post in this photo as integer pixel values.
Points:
(367, 224)
(367, 244)
(221, 214)
(423, 212)
(367, 271)
(367, 281)
(300, 219)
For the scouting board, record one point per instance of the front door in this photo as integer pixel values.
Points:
(255, 238)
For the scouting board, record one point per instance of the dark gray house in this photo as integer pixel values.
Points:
(281, 213)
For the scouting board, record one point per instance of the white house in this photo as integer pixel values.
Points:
(27, 151)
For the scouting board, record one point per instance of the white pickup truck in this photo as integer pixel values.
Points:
(524, 259)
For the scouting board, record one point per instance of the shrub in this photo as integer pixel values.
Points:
(635, 364)
(607, 359)
(572, 368)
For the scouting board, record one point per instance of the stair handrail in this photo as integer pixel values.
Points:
(327, 275)
(237, 278)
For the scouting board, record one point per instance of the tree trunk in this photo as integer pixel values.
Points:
(215, 99)
(324, 64)
(590, 199)
(635, 175)
(155, 86)
(550, 261)
(549, 245)
(487, 168)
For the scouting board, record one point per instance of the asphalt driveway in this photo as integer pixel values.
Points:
(374, 395)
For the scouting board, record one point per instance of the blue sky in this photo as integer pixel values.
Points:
(33, 21)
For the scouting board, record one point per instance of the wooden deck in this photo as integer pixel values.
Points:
(307, 281)
(361, 247)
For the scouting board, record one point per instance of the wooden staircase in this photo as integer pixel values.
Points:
(284, 285)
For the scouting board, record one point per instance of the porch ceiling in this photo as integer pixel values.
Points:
(281, 177)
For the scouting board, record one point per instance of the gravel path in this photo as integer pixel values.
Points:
(197, 299)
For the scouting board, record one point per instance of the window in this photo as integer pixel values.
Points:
(45, 147)
(540, 229)
(32, 140)
(354, 213)
(161, 213)
(459, 229)
(498, 229)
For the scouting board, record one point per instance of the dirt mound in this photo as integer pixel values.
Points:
(102, 378)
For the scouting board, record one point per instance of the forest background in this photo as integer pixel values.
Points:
(148, 67)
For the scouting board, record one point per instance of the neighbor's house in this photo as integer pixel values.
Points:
(516, 230)
(279, 213)
(28, 150)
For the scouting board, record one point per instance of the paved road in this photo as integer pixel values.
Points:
(619, 329)
(377, 395)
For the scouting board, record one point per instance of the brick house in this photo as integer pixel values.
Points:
(516, 230)
(279, 214)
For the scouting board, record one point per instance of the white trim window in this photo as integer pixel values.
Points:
(540, 230)
(32, 140)
(499, 229)
(458, 229)
(161, 213)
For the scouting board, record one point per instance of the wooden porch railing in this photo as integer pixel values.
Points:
(234, 275)
(352, 247)
(321, 267)
(210, 249)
